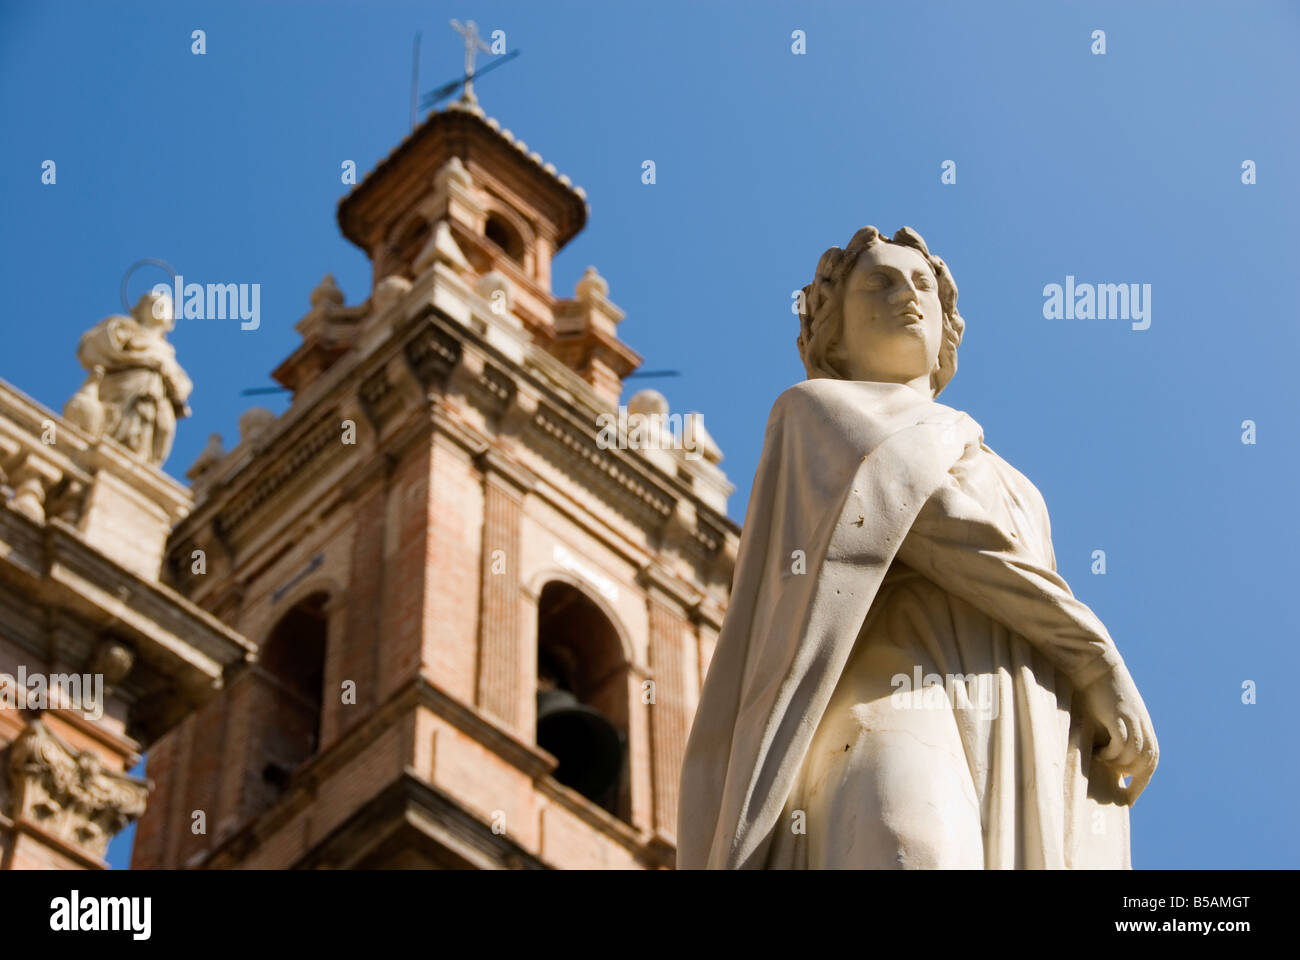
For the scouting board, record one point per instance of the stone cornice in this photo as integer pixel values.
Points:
(420, 692)
(147, 610)
(540, 400)
(550, 401)
(433, 345)
(78, 457)
(367, 380)
(524, 756)
(464, 436)
(454, 132)
(580, 445)
(656, 580)
(496, 466)
(123, 746)
(561, 389)
(301, 452)
(595, 817)
(168, 633)
(529, 759)
(404, 814)
(708, 612)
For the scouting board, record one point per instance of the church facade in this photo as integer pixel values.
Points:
(429, 616)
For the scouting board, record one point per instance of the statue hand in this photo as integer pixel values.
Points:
(1113, 700)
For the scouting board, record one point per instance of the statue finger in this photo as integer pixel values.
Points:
(1141, 777)
(1137, 734)
(1128, 758)
(1132, 747)
(1112, 750)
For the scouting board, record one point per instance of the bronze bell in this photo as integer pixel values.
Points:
(589, 747)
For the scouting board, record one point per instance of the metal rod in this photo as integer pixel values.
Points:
(415, 78)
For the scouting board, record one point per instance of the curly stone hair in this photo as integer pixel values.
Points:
(821, 318)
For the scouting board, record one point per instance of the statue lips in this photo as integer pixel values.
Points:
(911, 317)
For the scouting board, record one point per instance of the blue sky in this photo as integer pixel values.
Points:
(1122, 168)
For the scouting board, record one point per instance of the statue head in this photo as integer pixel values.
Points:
(881, 309)
(154, 309)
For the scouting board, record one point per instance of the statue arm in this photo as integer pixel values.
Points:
(105, 343)
(957, 545)
(179, 386)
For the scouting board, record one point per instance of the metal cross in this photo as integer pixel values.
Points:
(473, 44)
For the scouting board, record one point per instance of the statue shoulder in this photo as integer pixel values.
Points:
(887, 406)
(1018, 480)
(828, 395)
(102, 342)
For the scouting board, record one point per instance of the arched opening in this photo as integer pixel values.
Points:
(291, 680)
(582, 697)
(500, 231)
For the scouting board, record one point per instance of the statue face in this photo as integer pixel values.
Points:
(892, 317)
(154, 310)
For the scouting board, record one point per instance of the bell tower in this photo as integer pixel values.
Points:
(481, 615)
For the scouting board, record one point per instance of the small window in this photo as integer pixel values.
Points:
(500, 232)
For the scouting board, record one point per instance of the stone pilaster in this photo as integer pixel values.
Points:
(500, 654)
(669, 717)
(639, 751)
(332, 706)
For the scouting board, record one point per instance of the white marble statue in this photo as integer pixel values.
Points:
(136, 390)
(902, 679)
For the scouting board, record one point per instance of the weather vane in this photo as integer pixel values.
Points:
(473, 46)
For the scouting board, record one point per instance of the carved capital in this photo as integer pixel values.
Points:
(67, 793)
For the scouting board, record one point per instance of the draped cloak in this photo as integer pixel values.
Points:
(857, 481)
(143, 389)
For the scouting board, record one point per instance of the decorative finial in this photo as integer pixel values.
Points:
(648, 403)
(208, 458)
(327, 293)
(473, 44)
(592, 283)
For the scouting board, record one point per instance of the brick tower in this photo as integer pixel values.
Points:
(443, 568)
